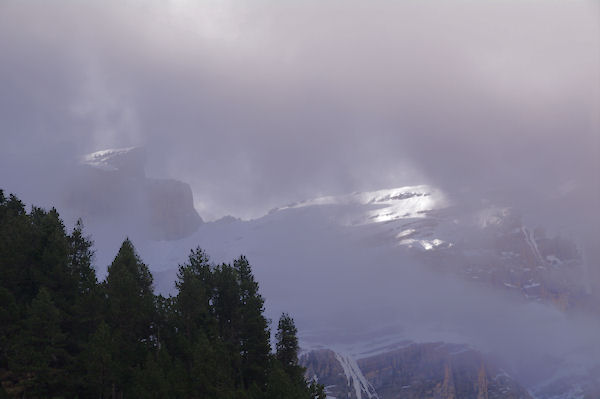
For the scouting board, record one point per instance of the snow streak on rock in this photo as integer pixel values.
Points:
(532, 245)
(355, 377)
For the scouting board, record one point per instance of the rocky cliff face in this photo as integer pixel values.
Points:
(341, 375)
(171, 210)
(512, 257)
(111, 187)
(418, 371)
(439, 371)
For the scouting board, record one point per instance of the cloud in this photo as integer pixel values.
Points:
(261, 104)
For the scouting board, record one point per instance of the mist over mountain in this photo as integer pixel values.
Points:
(368, 273)
(408, 179)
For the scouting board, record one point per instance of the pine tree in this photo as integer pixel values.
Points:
(150, 380)
(39, 351)
(130, 311)
(196, 323)
(80, 260)
(228, 315)
(130, 294)
(287, 377)
(99, 363)
(254, 328)
(15, 250)
(194, 284)
(85, 311)
(287, 343)
(9, 317)
(49, 258)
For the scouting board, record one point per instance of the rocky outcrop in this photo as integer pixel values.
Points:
(323, 366)
(439, 371)
(418, 371)
(340, 374)
(111, 187)
(171, 210)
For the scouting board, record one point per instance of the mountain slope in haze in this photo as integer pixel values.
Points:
(403, 264)
(111, 186)
(349, 266)
(490, 246)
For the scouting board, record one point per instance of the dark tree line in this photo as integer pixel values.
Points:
(64, 334)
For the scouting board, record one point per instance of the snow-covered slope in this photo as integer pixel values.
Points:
(384, 205)
(417, 224)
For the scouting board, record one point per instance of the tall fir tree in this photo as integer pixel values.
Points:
(85, 314)
(254, 328)
(228, 315)
(195, 289)
(287, 377)
(130, 311)
(80, 259)
(198, 333)
(287, 346)
(99, 363)
(39, 351)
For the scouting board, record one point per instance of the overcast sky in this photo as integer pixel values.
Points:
(258, 104)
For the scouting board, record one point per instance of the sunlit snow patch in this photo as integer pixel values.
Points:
(105, 159)
(386, 205)
(403, 203)
(426, 245)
